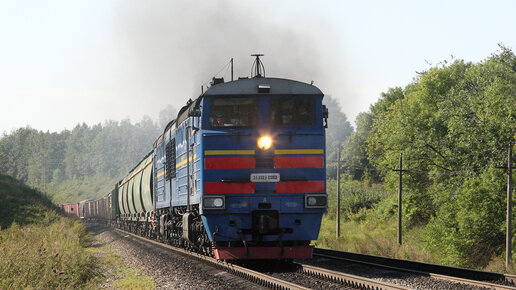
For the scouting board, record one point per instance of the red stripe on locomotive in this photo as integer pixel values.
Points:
(229, 163)
(299, 162)
(296, 252)
(225, 187)
(299, 186)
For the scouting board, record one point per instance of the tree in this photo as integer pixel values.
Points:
(453, 125)
(338, 130)
(166, 115)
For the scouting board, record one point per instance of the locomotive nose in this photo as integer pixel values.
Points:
(265, 222)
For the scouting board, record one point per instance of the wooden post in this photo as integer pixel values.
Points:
(338, 195)
(400, 189)
(508, 233)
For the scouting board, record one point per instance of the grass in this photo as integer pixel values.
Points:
(21, 204)
(49, 255)
(118, 273)
(369, 226)
(374, 238)
(134, 280)
(60, 256)
(41, 248)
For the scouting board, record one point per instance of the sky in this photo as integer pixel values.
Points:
(67, 62)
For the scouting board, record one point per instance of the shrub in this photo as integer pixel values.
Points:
(470, 229)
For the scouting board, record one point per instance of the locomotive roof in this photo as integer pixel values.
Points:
(244, 86)
(250, 86)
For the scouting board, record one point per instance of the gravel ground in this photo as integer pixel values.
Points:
(175, 271)
(288, 271)
(168, 269)
(308, 281)
(414, 281)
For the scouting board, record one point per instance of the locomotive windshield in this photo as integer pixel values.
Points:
(292, 111)
(234, 112)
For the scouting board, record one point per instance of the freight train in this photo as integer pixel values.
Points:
(70, 208)
(239, 174)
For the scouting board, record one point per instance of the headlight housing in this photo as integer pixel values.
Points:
(264, 142)
(316, 201)
(214, 202)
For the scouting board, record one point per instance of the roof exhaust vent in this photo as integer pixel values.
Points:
(264, 88)
(216, 81)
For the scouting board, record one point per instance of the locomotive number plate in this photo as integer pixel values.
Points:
(265, 177)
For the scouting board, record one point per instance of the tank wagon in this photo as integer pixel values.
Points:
(239, 174)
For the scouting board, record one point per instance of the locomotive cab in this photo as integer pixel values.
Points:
(263, 171)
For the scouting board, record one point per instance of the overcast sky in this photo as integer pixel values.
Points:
(67, 62)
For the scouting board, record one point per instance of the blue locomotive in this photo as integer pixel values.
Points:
(239, 174)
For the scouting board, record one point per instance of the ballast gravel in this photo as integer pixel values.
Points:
(401, 278)
(168, 269)
(171, 270)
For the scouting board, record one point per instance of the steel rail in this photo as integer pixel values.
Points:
(460, 275)
(347, 279)
(262, 279)
(248, 274)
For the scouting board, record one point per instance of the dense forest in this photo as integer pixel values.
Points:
(78, 164)
(87, 161)
(453, 125)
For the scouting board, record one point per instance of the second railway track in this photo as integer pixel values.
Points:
(460, 276)
(299, 276)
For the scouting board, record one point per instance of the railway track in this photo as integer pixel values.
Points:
(474, 278)
(326, 278)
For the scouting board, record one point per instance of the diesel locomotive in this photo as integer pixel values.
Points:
(239, 174)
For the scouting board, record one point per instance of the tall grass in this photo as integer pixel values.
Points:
(378, 237)
(354, 196)
(50, 255)
(368, 224)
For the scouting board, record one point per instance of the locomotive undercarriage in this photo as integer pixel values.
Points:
(168, 228)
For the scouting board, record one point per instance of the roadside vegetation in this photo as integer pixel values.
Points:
(453, 124)
(42, 248)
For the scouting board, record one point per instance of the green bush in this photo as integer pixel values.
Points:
(354, 196)
(21, 204)
(469, 230)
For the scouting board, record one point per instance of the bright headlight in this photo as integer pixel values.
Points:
(264, 142)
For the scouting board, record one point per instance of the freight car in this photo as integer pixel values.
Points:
(239, 174)
(70, 208)
(87, 209)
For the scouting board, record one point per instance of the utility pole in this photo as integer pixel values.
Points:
(337, 224)
(231, 69)
(338, 195)
(508, 233)
(400, 190)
